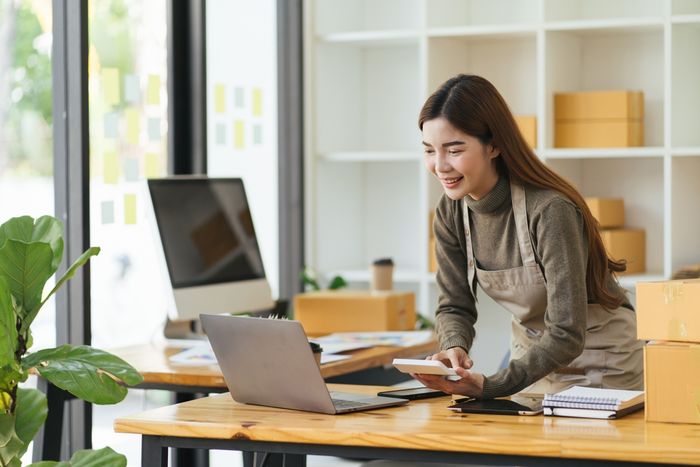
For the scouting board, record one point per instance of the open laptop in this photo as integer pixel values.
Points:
(269, 362)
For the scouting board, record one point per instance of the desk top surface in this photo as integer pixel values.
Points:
(152, 361)
(426, 425)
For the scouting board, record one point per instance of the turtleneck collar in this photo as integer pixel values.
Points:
(493, 200)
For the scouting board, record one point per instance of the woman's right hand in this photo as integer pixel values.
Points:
(455, 357)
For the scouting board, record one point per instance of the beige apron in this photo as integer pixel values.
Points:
(612, 356)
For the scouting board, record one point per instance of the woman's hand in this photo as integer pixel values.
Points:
(471, 384)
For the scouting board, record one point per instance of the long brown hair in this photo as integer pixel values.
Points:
(473, 105)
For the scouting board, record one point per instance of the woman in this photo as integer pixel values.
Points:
(525, 235)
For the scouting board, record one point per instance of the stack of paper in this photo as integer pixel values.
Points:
(580, 401)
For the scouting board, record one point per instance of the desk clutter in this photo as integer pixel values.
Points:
(586, 402)
(667, 316)
(619, 241)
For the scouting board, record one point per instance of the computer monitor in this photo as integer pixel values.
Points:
(209, 246)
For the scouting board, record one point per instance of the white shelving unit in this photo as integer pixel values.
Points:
(370, 64)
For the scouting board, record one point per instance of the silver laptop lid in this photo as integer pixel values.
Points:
(267, 362)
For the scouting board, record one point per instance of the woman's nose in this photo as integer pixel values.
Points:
(441, 164)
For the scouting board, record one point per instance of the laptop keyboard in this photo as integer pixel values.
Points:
(343, 404)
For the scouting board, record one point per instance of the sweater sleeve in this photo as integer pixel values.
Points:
(561, 245)
(456, 312)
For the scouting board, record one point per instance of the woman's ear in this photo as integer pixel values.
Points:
(492, 151)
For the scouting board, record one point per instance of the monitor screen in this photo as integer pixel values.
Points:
(206, 230)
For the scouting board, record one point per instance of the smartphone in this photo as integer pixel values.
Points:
(516, 405)
(413, 393)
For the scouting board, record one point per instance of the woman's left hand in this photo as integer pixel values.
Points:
(471, 384)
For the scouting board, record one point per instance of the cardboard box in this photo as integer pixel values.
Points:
(599, 105)
(348, 311)
(627, 244)
(528, 127)
(432, 258)
(609, 212)
(672, 382)
(669, 310)
(598, 133)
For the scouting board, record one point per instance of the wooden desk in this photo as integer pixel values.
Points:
(152, 361)
(421, 431)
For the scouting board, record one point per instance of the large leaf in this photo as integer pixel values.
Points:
(11, 452)
(46, 229)
(7, 428)
(8, 326)
(27, 267)
(32, 409)
(105, 457)
(92, 251)
(89, 374)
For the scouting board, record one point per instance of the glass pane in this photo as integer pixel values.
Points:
(26, 139)
(127, 78)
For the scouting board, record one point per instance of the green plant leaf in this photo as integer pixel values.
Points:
(337, 283)
(308, 277)
(8, 326)
(105, 457)
(31, 412)
(46, 229)
(12, 450)
(92, 251)
(90, 374)
(7, 428)
(26, 267)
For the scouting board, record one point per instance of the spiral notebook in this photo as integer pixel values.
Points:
(580, 401)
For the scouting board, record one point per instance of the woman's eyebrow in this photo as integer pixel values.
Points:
(446, 145)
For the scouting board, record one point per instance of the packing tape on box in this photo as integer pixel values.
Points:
(677, 329)
(672, 292)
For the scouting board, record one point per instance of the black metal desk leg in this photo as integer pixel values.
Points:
(47, 442)
(294, 460)
(153, 453)
(183, 457)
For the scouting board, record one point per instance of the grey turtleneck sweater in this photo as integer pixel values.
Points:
(559, 241)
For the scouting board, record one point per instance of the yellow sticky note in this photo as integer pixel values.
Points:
(238, 134)
(219, 98)
(130, 208)
(132, 125)
(257, 102)
(153, 90)
(151, 168)
(110, 85)
(110, 172)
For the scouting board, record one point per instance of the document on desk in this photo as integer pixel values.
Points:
(371, 339)
(202, 354)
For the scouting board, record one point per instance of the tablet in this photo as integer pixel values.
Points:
(425, 367)
(516, 405)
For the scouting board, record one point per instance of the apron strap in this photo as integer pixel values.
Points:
(527, 253)
(471, 261)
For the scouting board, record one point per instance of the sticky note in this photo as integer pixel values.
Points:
(111, 125)
(153, 90)
(132, 125)
(154, 129)
(220, 134)
(130, 208)
(219, 98)
(238, 97)
(257, 102)
(110, 166)
(131, 169)
(132, 92)
(107, 211)
(151, 165)
(238, 134)
(110, 86)
(257, 134)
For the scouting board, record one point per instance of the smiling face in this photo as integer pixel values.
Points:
(461, 162)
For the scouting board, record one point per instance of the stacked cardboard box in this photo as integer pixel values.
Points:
(620, 242)
(528, 128)
(599, 119)
(668, 313)
(432, 260)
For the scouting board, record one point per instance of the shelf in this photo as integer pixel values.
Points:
(685, 19)
(600, 153)
(484, 32)
(598, 26)
(630, 281)
(372, 156)
(602, 10)
(361, 275)
(686, 152)
(372, 37)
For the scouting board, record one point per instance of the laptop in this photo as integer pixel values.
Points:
(269, 362)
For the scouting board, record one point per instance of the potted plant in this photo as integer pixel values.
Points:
(30, 252)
